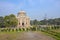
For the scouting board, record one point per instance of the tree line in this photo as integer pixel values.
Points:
(55, 21)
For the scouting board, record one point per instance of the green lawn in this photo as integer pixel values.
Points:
(9, 35)
(57, 30)
(53, 33)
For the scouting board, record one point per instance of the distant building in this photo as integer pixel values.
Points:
(23, 20)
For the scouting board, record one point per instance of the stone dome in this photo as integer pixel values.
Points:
(21, 13)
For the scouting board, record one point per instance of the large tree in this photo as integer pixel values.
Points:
(10, 21)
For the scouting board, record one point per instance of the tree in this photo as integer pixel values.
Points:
(55, 21)
(7, 21)
(35, 22)
(13, 20)
(1, 22)
(43, 22)
(31, 22)
(10, 21)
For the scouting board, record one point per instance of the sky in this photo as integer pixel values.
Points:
(35, 9)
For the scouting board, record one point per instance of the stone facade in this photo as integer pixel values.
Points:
(23, 20)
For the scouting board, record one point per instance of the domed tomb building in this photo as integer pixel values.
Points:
(23, 19)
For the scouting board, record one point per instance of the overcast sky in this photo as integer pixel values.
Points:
(35, 9)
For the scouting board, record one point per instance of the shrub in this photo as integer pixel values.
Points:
(9, 30)
(27, 29)
(12, 30)
(19, 29)
(23, 29)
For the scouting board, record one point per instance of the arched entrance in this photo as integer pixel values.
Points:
(23, 24)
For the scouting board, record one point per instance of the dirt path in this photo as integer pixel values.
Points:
(33, 36)
(24, 36)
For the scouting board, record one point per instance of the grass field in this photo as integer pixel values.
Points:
(7, 35)
(55, 33)
(57, 30)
